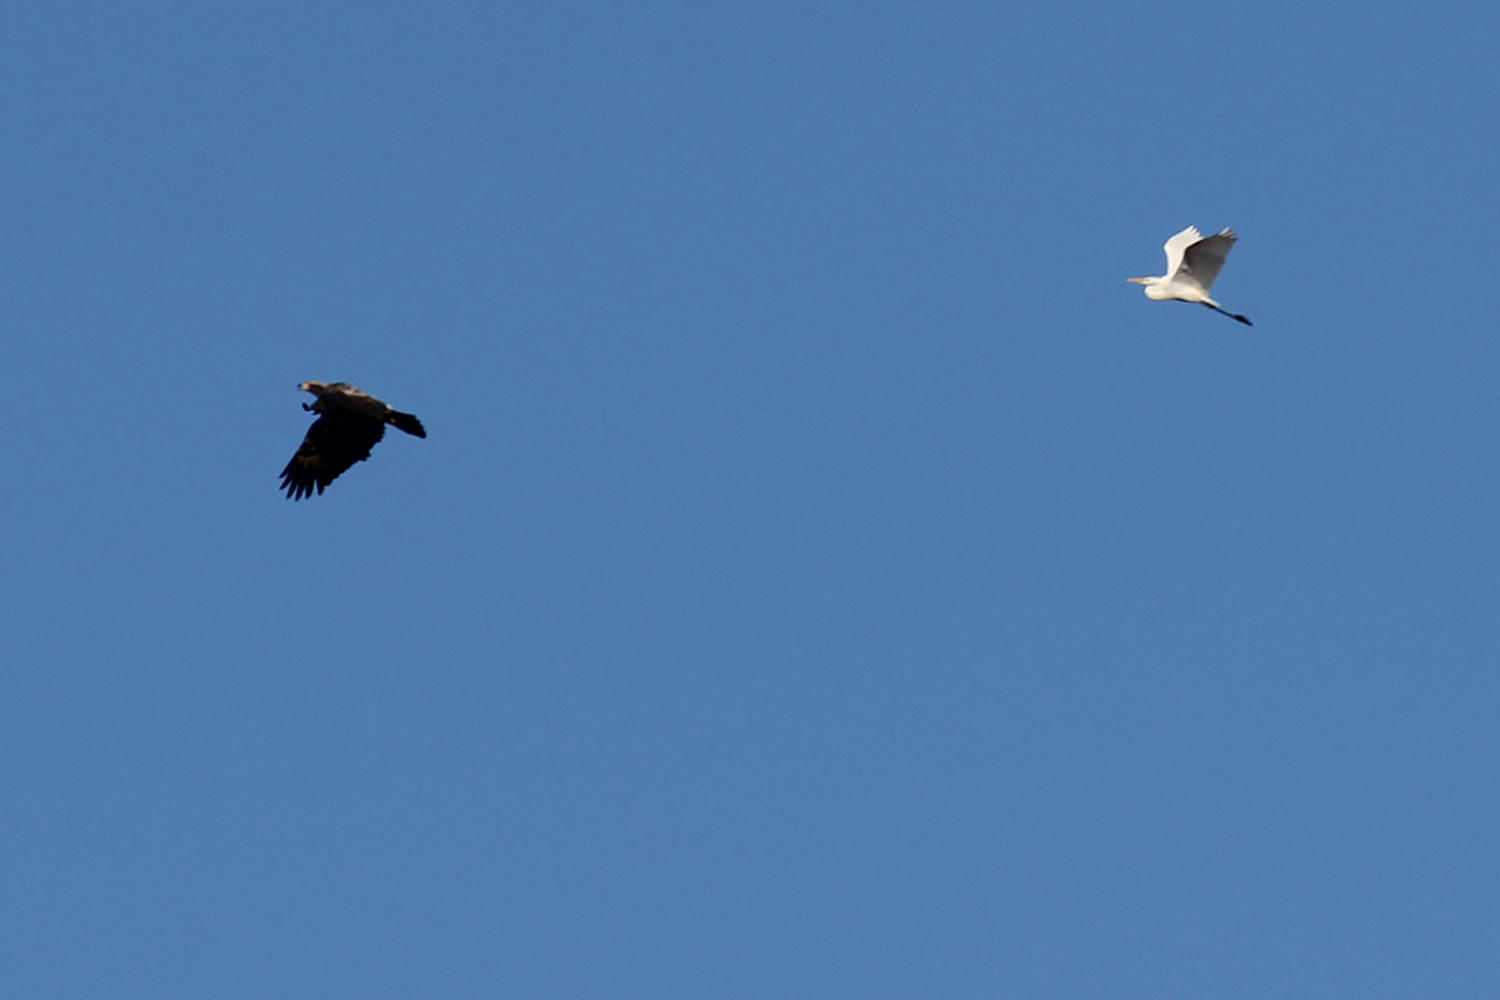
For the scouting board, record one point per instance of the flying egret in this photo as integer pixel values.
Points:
(1193, 262)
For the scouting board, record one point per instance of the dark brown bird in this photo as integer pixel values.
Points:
(350, 423)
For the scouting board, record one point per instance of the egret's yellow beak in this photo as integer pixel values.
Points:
(1138, 281)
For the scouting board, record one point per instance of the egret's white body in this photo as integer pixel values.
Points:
(1193, 262)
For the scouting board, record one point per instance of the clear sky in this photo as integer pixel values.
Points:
(825, 576)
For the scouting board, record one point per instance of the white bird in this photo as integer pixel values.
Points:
(1193, 263)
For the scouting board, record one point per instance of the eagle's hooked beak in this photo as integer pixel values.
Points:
(1139, 281)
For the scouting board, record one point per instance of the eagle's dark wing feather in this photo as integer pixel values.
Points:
(334, 442)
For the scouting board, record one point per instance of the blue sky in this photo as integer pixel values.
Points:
(824, 575)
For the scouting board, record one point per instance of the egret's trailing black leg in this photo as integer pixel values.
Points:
(1226, 312)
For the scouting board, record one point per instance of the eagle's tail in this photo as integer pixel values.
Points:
(407, 423)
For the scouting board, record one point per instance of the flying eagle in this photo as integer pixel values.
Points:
(350, 424)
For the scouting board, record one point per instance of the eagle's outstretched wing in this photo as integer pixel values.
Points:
(334, 442)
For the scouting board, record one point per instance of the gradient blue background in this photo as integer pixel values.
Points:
(825, 576)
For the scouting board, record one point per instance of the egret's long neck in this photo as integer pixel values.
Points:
(1154, 288)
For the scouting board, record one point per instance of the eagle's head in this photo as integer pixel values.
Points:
(313, 387)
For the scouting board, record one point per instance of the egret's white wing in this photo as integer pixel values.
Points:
(1175, 247)
(1204, 258)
